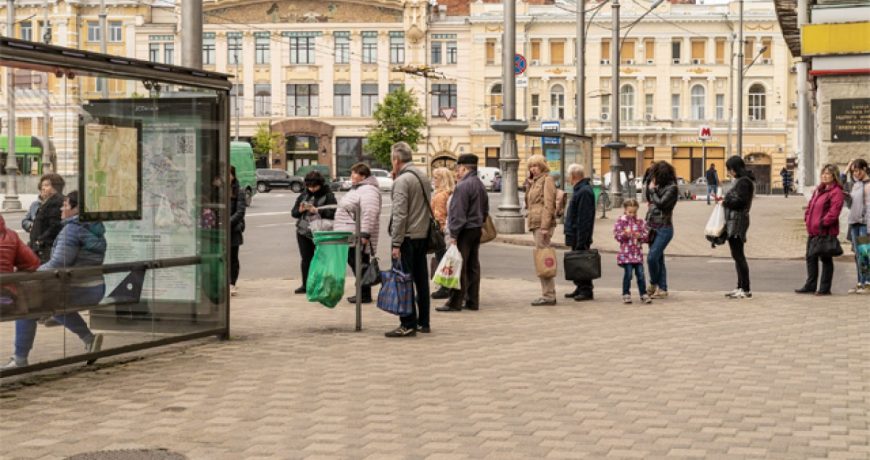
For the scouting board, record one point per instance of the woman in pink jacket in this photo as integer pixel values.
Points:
(822, 218)
(365, 194)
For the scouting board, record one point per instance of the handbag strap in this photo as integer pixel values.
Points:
(422, 189)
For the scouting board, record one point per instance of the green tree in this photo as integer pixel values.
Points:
(397, 119)
(264, 141)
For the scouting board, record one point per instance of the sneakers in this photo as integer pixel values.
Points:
(95, 344)
(739, 294)
(860, 290)
(234, 291)
(626, 299)
(540, 302)
(15, 362)
(401, 331)
(658, 294)
(646, 299)
(651, 289)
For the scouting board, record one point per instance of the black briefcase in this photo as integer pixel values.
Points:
(582, 265)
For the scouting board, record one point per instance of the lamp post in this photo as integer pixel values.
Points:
(740, 47)
(10, 200)
(508, 218)
(615, 145)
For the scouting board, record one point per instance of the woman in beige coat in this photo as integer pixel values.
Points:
(541, 204)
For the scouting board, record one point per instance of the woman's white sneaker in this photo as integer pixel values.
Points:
(739, 294)
(859, 290)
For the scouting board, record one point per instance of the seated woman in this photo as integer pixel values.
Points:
(79, 244)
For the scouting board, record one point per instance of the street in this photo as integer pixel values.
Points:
(270, 251)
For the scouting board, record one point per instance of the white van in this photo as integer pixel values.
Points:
(487, 175)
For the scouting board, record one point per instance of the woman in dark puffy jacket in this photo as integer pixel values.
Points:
(237, 227)
(822, 218)
(662, 195)
(737, 203)
(315, 196)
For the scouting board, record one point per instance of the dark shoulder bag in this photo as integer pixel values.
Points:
(434, 236)
(824, 245)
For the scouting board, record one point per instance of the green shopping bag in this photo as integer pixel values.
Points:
(326, 274)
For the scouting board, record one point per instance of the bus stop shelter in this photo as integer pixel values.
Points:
(561, 149)
(146, 147)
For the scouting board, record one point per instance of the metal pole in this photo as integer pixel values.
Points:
(508, 219)
(46, 113)
(236, 92)
(730, 96)
(191, 34)
(806, 145)
(581, 68)
(357, 267)
(740, 84)
(103, 38)
(10, 201)
(615, 145)
(704, 158)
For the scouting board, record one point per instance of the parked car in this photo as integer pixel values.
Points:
(385, 181)
(487, 175)
(242, 158)
(698, 187)
(344, 184)
(267, 179)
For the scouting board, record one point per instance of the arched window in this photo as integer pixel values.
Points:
(495, 102)
(626, 102)
(757, 103)
(699, 95)
(557, 102)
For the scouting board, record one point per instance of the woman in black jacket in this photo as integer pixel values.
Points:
(237, 227)
(661, 195)
(316, 195)
(737, 203)
(47, 222)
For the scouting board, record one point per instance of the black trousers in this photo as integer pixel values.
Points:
(813, 272)
(306, 251)
(351, 260)
(583, 287)
(234, 264)
(414, 262)
(468, 243)
(737, 253)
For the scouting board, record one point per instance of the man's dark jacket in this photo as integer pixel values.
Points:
(712, 177)
(580, 216)
(469, 205)
(46, 226)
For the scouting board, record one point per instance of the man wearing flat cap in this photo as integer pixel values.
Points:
(468, 209)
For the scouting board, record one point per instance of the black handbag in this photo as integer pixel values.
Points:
(824, 246)
(434, 236)
(582, 265)
(371, 274)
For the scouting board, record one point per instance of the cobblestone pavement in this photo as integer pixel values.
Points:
(776, 232)
(693, 376)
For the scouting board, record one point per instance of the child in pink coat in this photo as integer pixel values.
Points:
(631, 232)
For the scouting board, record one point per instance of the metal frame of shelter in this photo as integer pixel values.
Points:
(72, 62)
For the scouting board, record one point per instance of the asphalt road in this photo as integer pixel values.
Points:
(270, 252)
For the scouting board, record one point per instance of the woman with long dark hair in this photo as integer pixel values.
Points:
(737, 203)
(237, 227)
(662, 195)
(315, 196)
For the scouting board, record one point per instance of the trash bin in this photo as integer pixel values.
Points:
(328, 267)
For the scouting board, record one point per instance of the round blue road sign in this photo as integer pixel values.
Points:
(519, 64)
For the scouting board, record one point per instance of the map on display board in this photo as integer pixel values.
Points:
(110, 176)
(168, 225)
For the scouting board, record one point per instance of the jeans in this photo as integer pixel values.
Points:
(414, 262)
(737, 253)
(856, 230)
(25, 329)
(637, 269)
(658, 273)
(234, 264)
(365, 258)
(468, 243)
(712, 190)
(306, 251)
(813, 272)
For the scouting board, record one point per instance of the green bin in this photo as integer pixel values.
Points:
(328, 267)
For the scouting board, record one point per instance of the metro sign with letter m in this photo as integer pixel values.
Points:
(705, 133)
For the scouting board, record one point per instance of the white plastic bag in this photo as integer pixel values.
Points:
(716, 223)
(449, 270)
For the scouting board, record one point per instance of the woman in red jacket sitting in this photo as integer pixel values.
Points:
(822, 218)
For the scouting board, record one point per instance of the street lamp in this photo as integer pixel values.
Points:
(740, 76)
(615, 144)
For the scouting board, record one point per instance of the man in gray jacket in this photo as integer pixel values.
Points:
(469, 207)
(409, 230)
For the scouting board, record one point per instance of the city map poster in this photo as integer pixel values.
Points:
(110, 169)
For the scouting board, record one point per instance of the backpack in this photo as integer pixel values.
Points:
(561, 202)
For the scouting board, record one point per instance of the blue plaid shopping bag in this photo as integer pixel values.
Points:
(397, 291)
